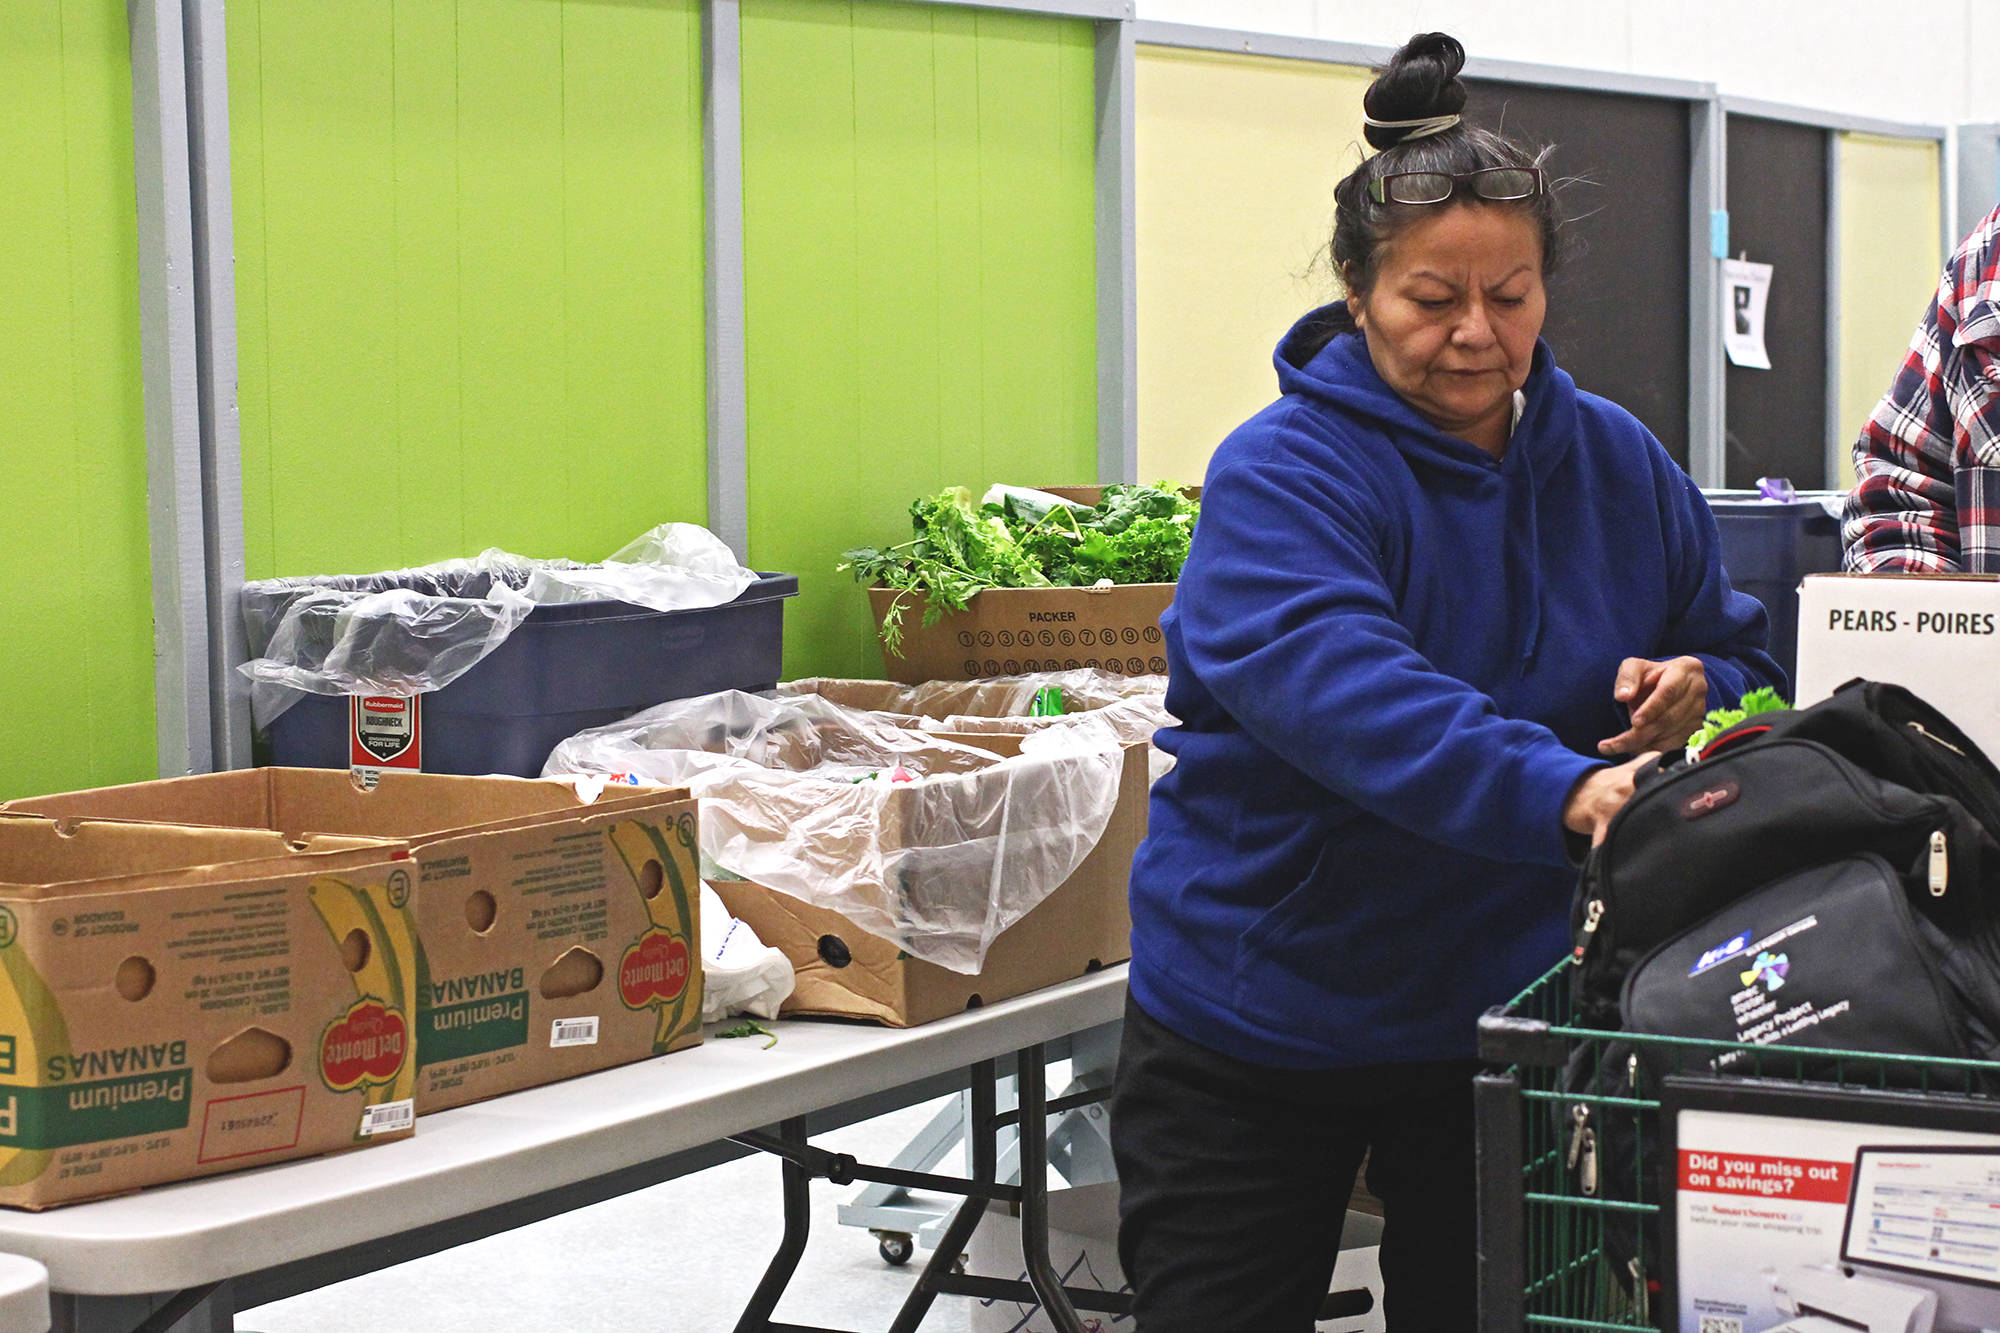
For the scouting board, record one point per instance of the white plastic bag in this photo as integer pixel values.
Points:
(740, 973)
(410, 631)
(799, 795)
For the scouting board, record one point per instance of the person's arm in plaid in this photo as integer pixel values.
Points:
(1903, 514)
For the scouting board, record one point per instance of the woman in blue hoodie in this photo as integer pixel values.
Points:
(1437, 602)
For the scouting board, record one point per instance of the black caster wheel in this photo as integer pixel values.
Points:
(897, 1247)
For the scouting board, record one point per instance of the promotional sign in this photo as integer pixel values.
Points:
(1798, 1223)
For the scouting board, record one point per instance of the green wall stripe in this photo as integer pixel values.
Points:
(469, 277)
(76, 646)
(920, 301)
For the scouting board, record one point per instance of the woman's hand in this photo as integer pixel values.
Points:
(1667, 700)
(1600, 794)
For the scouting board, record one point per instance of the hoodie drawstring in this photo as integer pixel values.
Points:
(1528, 579)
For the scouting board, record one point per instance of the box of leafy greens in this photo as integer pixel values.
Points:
(1025, 580)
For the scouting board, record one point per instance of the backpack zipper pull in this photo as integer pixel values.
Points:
(1591, 917)
(1918, 727)
(1587, 1177)
(1580, 1117)
(1632, 1070)
(1940, 864)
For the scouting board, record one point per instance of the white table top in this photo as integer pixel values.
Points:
(24, 1295)
(460, 1161)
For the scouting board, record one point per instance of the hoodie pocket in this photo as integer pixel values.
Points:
(1329, 945)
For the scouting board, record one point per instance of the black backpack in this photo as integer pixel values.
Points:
(1871, 770)
(1824, 878)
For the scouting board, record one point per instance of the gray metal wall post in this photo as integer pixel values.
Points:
(1707, 198)
(1117, 263)
(205, 35)
(1836, 447)
(170, 367)
(722, 189)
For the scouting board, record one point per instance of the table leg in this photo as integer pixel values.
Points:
(199, 1310)
(981, 1138)
(1031, 1077)
(798, 1224)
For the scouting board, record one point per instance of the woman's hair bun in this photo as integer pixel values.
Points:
(1420, 80)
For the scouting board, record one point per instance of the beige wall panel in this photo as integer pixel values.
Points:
(1889, 266)
(1237, 160)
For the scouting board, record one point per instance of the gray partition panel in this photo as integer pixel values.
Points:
(1618, 308)
(1776, 423)
(1978, 179)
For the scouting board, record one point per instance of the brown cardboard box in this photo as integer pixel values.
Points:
(554, 938)
(843, 971)
(1008, 631)
(176, 1002)
(968, 704)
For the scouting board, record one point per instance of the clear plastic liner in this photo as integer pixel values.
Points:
(410, 631)
(1000, 696)
(1118, 709)
(797, 795)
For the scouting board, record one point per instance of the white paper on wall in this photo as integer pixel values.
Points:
(1746, 288)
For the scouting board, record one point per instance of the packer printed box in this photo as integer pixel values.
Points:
(553, 937)
(1011, 631)
(176, 1002)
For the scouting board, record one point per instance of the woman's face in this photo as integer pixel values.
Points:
(1452, 319)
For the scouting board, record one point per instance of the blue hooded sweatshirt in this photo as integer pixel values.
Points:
(1391, 656)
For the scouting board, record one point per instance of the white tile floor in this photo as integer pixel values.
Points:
(684, 1255)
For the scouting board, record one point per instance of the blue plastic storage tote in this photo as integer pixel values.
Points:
(1768, 546)
(567, 667)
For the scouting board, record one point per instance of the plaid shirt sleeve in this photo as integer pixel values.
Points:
(1927, 465)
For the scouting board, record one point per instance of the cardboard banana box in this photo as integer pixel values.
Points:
(176, 1002)
(554, 937)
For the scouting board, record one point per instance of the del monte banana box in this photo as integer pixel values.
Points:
(176, 1002)
(555, 936)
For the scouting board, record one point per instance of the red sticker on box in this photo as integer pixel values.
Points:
(385, 732)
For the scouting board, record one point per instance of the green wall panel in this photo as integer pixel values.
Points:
(469, 277)
(76, 625)
(919, 272)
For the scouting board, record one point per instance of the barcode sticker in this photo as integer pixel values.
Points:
(389, 1117)
(1721, 1324)
(574, 1032)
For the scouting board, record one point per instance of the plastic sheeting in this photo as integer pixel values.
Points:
(797, 795)
(1116, 710)
(410, 631)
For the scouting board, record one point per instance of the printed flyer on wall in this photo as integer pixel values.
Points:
(1790, 1224)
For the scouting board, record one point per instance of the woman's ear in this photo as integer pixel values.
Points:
(1357, 304)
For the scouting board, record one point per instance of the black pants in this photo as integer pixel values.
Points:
(1234, 1182)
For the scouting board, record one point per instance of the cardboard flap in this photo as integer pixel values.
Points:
(296, 802)
(240, 799)
(42, 857)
